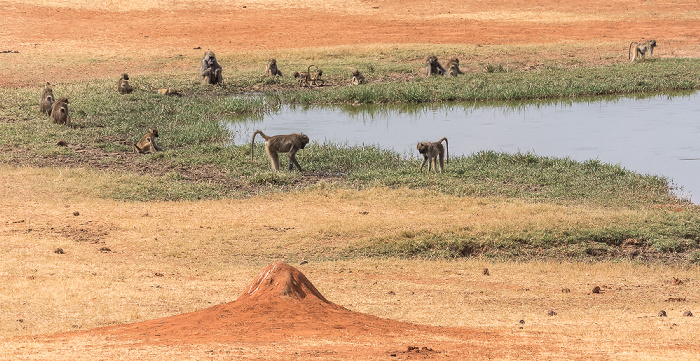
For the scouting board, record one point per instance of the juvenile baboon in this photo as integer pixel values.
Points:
(281, 144)
(357, 77)
(46, 99)
(59, 112)
(309, 78)
(640, 49)
(210, 69)
(169, 91)
(433, 150)
(432, 66)
(453, 67)
(147, 144)
(123, 85)
(271, 69)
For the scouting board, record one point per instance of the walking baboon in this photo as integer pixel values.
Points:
(210, 69)
(46, 99)
(432, 66)
(59, 112)
(640, 49)
(281, 144)
(271, 69)
(433, 150)
(147, 144)
(123, 85)
(357, 77)
(453, 67)
(308, 78)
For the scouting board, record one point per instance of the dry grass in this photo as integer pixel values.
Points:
(171, 258)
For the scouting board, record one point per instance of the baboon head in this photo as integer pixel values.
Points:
(355, 72)
(303, 140)
(210, 58)
(125, 76)
(423, 147)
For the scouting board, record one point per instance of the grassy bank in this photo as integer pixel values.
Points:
(200, 163)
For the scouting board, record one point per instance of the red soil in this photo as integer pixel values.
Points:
(282, 305)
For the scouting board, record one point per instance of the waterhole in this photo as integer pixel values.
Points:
(650, 134)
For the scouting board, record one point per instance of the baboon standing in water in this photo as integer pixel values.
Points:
(210, 69)
(59, 112)
(281, 144)
(453, 67)
(640, 49)
(46, 99)
(433, 150)
(271, 69)
(357, 77)
(147, 144)
(432, 66)
(123, 85)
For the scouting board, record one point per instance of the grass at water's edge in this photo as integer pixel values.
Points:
(199, 163)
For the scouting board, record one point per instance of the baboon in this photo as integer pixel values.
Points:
(357, 77)
(308, 78)
(169, 91)
(281, 144)
(210, 69)
(433, 150)
(123, 85)
(147, 144)
(271, 69)
(46, 99)
(453, 67)
(432, 66)
(59, 112)
(640, 49)
(485, 271)
(662, 313)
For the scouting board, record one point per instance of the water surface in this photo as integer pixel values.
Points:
(657, 135)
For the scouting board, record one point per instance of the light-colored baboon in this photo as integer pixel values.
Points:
(123, 85)
(47, 99)
(169, 91)
(431, 151)
(309, 78)
(432, 66)
(210, 70)
(640, 49)
(357, 77)
(281, 144)
(59, 112)
(147, 144)
(453, 67)
(271, 69)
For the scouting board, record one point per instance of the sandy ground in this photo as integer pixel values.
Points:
(116, 34)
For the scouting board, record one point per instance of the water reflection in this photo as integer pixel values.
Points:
(652, 134)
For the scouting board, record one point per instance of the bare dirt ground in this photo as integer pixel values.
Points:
(116, 34)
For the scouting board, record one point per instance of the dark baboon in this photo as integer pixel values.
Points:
(433, 150)
(46, 99)
(432, 66)
(640, 49)
(453, 67)
(147, 144)
(210, 69)
(271, 69)
(123, 85)
(309, 78)
(357, 77)
(281, 144)
(59, 112)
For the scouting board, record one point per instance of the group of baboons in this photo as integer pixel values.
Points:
(211, 73)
